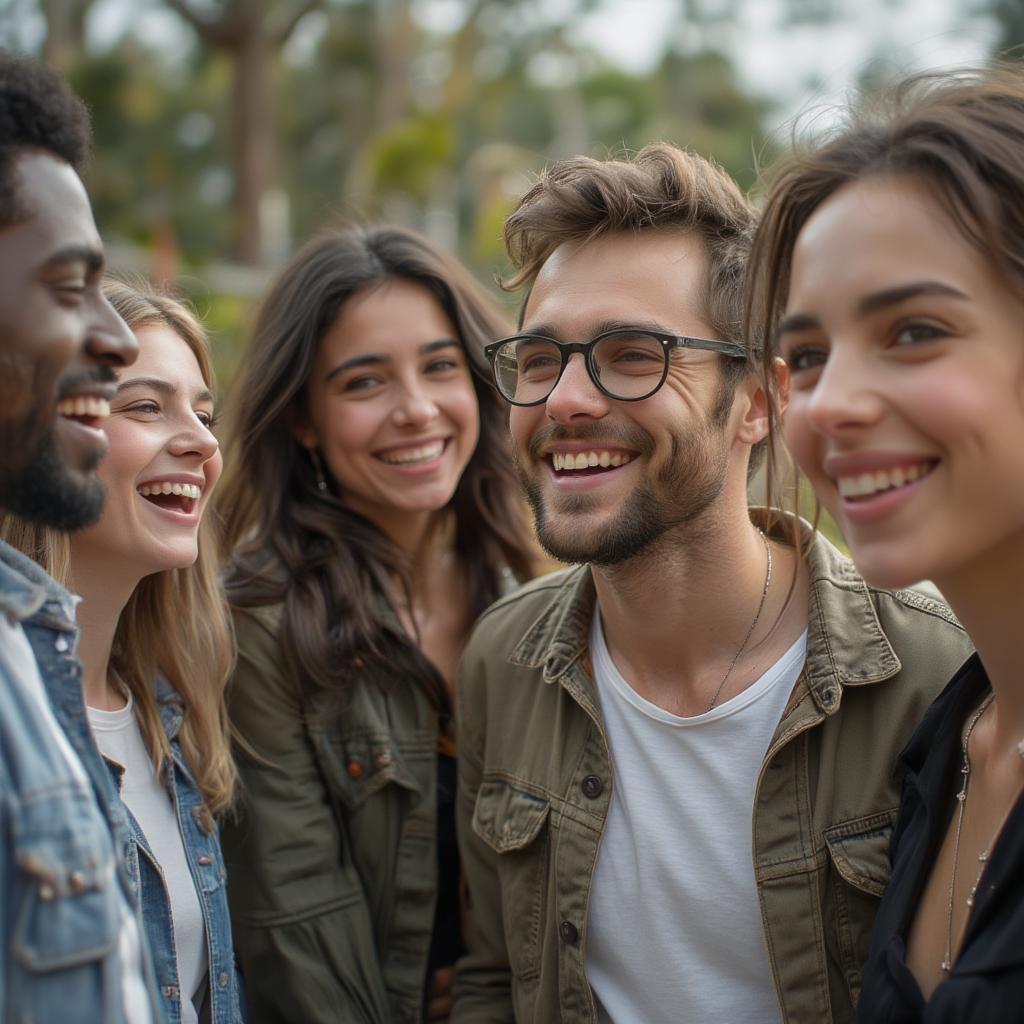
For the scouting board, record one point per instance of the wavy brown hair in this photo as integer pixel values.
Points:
(331, 568)
(175, 623)
(961, 133)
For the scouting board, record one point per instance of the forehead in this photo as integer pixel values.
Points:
(391, 318)
(877, 234)
(657, 275)
(164, 354)
(55, 213)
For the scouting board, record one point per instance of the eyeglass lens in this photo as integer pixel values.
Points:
(627, 364)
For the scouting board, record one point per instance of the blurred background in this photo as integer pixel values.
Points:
(228, 130)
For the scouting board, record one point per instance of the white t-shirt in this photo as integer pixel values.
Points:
(20, 666)
(674, 926)
(118, 737)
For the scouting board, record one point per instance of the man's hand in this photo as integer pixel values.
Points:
(439, 1008)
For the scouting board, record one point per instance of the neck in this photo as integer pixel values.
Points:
(104, 595)
(987, 596)
(702, 582)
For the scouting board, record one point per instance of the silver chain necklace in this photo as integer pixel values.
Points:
(753, 625)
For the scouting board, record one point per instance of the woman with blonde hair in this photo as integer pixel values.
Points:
(155, 645)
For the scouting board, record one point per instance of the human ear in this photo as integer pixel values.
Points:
(302, 429)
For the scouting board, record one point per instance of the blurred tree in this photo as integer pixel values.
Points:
(251, 32)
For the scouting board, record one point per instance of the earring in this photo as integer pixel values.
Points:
(318, 469)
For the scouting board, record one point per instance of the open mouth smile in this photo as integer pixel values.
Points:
(171, 495)
(414, 455)
(591, 463)
(862, 486)
(88, 410)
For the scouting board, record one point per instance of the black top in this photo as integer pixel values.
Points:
(987, 980)
(446, 943)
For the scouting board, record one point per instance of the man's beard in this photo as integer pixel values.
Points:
(46, 493)
(684, 488)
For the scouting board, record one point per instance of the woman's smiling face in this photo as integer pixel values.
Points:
(162, 463)
(906, 349)
(390, 403)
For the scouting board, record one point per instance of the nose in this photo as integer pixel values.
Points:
(845, 396)
(195, 440)
(109, 340)
(575, 395)
(416, 406)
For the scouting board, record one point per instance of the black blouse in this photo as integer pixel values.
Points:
(987, 980)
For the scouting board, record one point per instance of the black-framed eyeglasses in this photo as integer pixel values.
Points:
(627, 364)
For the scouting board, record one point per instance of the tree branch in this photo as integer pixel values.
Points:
(221, 32)
(279, 34)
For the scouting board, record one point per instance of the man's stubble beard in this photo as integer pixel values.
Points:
(43, 491)
(686, 486)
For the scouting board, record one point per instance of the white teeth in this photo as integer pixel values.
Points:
(424, 453)
(865, 484)
(565, 461)
(184, 490)
(84, 405)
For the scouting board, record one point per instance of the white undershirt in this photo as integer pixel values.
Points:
(20, 666)
(674, 928)
(118, 737)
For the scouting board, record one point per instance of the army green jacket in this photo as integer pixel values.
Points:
(332, 860)
(535, 782)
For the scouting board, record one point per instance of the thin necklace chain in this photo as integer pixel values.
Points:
(753, 625)
(947, 961)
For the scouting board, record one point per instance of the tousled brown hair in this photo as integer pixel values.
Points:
(175, 622)
(331, 568)
(961, 133)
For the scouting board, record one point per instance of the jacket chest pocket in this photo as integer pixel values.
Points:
(859, 854)
(514, 824)
(69, 909)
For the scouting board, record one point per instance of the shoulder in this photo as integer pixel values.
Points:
(506, 621)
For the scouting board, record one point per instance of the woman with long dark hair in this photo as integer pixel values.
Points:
(373, 515)
(890, 272)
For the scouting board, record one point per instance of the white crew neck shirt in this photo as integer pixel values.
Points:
(674, 929)
(119, 739)
(21, 667)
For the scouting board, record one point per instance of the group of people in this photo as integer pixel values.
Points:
(320, 748)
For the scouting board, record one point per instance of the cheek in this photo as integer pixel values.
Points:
(797, 432)
(213, 468)
(127, 456)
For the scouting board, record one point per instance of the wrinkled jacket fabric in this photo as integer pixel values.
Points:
(202, 850)
(535, 781)
(333, 857)
(63, 870)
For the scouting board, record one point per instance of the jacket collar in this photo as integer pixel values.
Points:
(26, 590)
(846, 645)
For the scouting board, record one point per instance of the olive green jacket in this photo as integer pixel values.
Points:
(332, 862)
(535, 781)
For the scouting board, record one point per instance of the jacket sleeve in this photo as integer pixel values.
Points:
(483, 980)
(301, 925)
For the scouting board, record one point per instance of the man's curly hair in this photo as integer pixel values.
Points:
(38, 111)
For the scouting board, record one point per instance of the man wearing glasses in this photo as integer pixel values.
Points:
(676, 759)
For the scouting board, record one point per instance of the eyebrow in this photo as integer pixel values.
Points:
(550, 331)
(92, 258)
(874, 303)
(374, 359)
(164, 387)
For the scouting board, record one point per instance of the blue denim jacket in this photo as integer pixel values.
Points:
(63, 881)
(202, 849)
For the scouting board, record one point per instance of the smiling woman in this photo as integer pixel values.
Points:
(373, 515)
(155, 645)
(890, 264)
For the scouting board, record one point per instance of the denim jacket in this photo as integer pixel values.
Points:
(202, 849)
(64, 881)
(535, 777)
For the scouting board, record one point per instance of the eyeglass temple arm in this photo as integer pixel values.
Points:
(728, 348)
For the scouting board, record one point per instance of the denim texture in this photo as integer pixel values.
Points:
(203, 852)
(63, 874)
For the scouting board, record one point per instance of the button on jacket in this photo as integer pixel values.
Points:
(333, 859)
(202, 850)
(64, 881)
(535, 781)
